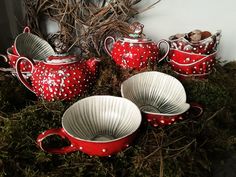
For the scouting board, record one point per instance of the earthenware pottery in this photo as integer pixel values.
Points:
(160, 97)
(190, 64)
(135, 51)
(59, 77)
(32, 46)
(97, 125)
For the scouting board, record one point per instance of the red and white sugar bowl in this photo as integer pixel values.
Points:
(134, 51)
(59, 77)
(190, 64)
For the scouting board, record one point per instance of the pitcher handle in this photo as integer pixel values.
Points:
(106, 44)
(60, 132)
(167, 51)
(20, 75)
(26, 30)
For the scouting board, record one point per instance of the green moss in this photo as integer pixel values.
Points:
(183, 149)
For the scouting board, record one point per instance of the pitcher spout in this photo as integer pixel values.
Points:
(92, 64)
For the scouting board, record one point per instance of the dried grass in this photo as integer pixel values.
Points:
(83, 23)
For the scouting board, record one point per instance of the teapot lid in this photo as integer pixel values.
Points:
(137, 35)
(61, 58)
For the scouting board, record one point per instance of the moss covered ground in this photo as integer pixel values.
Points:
(188, 148)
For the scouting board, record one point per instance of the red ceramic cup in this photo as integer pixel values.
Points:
(32, 46)
(12, 58)
(160, 97)
(168, 117)
(191, 64)
(25, 66)
(97, 125)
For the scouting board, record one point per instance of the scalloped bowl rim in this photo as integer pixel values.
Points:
(138, 118)
(159, 73)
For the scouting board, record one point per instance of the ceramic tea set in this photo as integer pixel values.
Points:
(104, 125)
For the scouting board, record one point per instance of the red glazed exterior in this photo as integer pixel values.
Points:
(134, 55)
(161, 120)
(158, 119)
(190, 64)
(88, 147)
(25, 66)
(59, 81)
(11, 59)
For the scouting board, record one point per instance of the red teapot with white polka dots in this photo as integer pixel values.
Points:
(59, 77)
(135, 51)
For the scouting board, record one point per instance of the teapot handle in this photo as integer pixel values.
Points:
(167, 51)
(60, 132)
(20, 75)
(106, 44)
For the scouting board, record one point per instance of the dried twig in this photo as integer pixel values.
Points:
(83, 24)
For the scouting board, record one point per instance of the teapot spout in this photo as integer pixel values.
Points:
(92, 64)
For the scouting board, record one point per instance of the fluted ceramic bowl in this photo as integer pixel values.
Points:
(32, 46)
(97, 125)
(160, 97)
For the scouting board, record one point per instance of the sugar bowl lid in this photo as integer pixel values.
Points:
(136, 35)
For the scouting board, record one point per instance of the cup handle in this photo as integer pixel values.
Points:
(108, 51)
(167, 51)
(60, 132)
(26, 30)
(196, 110)
(20, 75)
(5, 60)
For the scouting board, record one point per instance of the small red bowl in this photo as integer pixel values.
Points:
(191, 64)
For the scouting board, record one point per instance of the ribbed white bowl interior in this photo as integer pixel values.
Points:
(155, 92)
(33, 47)
(101, 115)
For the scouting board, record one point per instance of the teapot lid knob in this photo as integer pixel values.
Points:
(137, 30)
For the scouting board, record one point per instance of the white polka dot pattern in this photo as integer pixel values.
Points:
(63, 81)
(190, 64)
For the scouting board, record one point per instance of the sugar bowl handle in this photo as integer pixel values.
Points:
(106, 44)
(20, 75)
(60, 132)
(167, 51)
